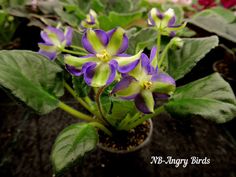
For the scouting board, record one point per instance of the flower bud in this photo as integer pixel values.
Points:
(177, 42)
(164, 22)
(90, 21)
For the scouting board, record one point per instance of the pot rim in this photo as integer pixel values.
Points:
(133, 149)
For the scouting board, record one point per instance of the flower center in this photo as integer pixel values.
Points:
(103, 56)
(147, 85)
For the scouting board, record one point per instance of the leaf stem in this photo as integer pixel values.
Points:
(75, 112)
(102, 127)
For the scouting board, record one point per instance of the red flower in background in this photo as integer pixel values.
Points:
(207, 3)
(228, 3)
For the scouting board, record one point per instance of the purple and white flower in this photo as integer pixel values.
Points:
(105, 59)
(164, 22)
(55, 40)
(90, 21)
(145, 84)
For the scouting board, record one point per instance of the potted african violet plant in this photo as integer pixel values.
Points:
(120, 92)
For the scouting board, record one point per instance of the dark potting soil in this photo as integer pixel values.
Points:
(26, 141)
(125, 140)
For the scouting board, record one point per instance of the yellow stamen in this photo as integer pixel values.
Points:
(147, 85)
(103, 56)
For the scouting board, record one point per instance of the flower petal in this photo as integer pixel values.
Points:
(78, 71)
(50, 55)
(94, 40)
(145, 63)
(163, 77)
(45, 37)
(73, 70)
(153, 59)
(47, 47)
(127, 88)
(118, 41)
(89, 73)
(163, 83)
(155, 17)
(55, 34)
(172, 34)
(145, 102)
(100, 75)
(113, 67)
(143, 70)
(168, 16)
(177, 27)
(172, 21)
(160, 98)
(48, 50)
(153, 53)
(127, 63)
(150, 20)
(79, 61)
(68, 35)
(127, 68)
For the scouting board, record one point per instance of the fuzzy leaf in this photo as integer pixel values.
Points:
(117, 109)
(80, 87)
(144, 38)
(117, 6)
(32, 78)
(72, 144)
(181, 61)
(217, 24)
(210, 97)
(115, 19)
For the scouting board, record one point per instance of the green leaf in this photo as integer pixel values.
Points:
(72, 144)
(86, 5)
(186, 32)
(211, 97)
(118, 6)
(144, 38)
(76, 40)
(80, 87)
(32, 78)
(117, 109)
(217, 24)
(181, 61)
(115, 19)
(223, 12)
(68, 17)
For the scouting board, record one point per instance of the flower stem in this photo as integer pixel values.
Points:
(158, 46)
(75, 112)
(74, 52)
(102, 127)
(146, 117)
(80, 100)
(89, 102)
(78, 47)
(124, 125)
(98, 101)
(164, 53)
